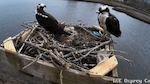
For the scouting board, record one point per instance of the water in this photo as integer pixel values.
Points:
(134, 40)
(142, 5)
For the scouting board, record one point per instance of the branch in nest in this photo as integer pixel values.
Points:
(110, 51)
(37, 57)
(61, 77)
(26, 26)
(29, 23)
(104, 43)
(26, 39)
(45, 39)
(88, 31)
(77, 51)
(59, 48)
(121, 57)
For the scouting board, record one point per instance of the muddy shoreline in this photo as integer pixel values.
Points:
(118, 6)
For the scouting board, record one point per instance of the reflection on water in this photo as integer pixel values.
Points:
(134, 40)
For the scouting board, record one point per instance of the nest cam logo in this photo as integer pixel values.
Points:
(117, 80)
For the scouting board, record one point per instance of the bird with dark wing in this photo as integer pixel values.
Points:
(48, 22)
(108, 22)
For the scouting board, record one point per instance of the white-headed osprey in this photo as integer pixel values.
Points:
(108, 22)
(47, 21)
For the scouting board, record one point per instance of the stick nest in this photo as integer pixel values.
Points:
(81, 50)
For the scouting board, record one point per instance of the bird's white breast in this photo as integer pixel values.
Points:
(102, 19)
(40, 14)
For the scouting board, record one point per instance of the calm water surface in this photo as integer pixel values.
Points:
(134, 40)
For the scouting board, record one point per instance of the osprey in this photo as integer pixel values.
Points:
(47, 21)
(108, 22)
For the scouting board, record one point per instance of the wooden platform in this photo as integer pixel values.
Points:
(48, 71)
(9, 45)
(105, 67)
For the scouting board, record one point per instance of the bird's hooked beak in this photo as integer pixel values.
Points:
(44, 6)
(97, 12)
(41, 5)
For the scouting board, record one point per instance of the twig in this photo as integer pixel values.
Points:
(89, 32)
(60, 48)
(43, 37)
(61, 76)
(74, 55)
(42, 56)
(55, 64)
(83, 68)
(105, 57)
(31, 22)
(50, 52)
(57, 53)
(104, 43)
(67, 55)
(77, 51)
(110, 51)
(121, 57)
(37, 57)
(51, 60)
(26, 26)
(26, 39)
(28, 23)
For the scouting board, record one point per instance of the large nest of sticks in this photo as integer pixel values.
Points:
(81, 50)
